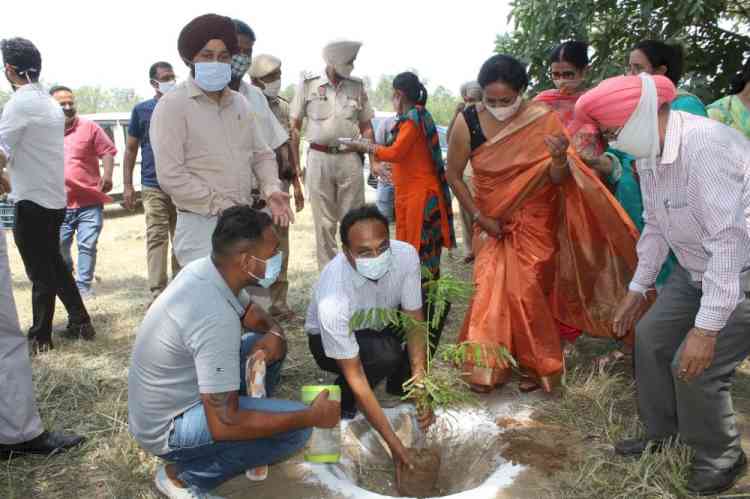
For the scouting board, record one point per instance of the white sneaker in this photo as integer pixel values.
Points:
(169, 489)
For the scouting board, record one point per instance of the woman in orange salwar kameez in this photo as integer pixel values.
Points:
(552, 243)
(423, 213)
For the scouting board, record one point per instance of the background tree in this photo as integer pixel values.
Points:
(98, 99)
(714, 34)
(442, 104)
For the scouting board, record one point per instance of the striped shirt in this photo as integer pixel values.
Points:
(697, 202)
(341, 291)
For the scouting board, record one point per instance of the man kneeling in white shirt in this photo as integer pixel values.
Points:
(371, 272)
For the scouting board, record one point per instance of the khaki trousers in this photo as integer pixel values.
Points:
(336, 184)
(161, 218)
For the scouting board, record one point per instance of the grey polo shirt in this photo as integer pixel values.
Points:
(188, 344)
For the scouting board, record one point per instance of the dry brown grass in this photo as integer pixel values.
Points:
(82, 387)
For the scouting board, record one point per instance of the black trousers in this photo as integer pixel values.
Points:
(383, 355)
(37, 236)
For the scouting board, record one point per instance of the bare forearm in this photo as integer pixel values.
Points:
(128, 165)
(293, 159)
(417, 347)
(461, 190)
(367, 133)
(370, 407)
(227, 422)
(294, 141)
(108, 165)
(258, 320)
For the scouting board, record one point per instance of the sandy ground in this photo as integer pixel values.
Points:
(82, 387)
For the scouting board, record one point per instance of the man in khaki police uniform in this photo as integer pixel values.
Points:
(336, 106)
(265, 74)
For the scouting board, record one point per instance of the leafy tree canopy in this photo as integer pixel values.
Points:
(714, 34)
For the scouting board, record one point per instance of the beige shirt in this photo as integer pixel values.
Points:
(206, 153)
(275, 134)
(331, 112)
(280, 109)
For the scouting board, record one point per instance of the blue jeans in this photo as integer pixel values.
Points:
(206, 464)
(87, 223)
(384, 200)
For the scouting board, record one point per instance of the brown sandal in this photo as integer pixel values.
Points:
(481, 389)
(527, 384)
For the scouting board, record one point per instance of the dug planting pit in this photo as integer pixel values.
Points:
(468, 442)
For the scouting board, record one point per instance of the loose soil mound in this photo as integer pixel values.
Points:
(422, 480)
(546, 448)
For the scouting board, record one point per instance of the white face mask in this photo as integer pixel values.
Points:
(640, 135)
(505, 113)
(374, 268)
(343, 70)
(166, 86)
(272, 89)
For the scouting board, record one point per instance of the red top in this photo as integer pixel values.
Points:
(85, 144)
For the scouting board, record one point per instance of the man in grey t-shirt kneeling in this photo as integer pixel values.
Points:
(187, 373)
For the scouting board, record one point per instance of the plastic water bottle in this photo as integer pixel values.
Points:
(324, 445)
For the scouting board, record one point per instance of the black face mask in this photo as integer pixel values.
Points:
(70, 112)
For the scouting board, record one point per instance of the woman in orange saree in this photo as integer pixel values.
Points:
(552, 243)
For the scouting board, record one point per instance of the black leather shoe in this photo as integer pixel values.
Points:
(79, 331)
(46, 444)
(635, 447)
(714, 482)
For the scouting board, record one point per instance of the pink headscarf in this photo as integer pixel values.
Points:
(613, 101)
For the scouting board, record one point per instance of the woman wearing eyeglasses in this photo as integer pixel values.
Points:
(569, 65)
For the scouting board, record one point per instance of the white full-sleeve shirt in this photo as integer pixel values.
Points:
(697, 203)
(32, 133)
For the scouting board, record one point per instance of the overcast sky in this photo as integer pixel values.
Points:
(112, 44)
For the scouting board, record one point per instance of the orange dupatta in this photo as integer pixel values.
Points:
(568, 252)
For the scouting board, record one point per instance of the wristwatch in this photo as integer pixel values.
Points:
(706, 334)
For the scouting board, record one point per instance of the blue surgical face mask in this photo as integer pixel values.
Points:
(212, 76)
(273, 269)
(374, 268)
